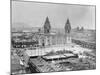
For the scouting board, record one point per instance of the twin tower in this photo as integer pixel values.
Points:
(47, 26)
(49, 39)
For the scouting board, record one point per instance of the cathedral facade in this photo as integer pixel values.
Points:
(48, 38)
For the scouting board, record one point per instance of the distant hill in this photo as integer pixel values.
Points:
(23, 27)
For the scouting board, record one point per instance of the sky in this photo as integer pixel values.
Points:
(33, 14)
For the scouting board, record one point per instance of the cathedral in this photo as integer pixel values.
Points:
(48, 38)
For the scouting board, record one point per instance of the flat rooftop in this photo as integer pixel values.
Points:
(43, 51)
(58, 56)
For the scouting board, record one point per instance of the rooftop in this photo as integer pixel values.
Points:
(43, 51)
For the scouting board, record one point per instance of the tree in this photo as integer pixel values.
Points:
(77, 28)
(39, 30)
(82, 28)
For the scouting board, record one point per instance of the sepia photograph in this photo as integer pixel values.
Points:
(52, 37)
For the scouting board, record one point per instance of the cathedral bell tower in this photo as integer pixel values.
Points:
(47, 28)
(67, 32)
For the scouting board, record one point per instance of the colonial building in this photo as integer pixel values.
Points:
(47, 37)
